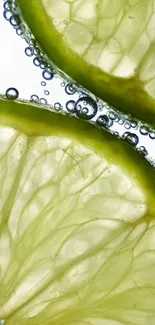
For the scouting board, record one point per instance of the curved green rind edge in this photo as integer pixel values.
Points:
(37, 121)
(126, 95)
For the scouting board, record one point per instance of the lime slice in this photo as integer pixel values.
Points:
(107, 46)
(77, 226)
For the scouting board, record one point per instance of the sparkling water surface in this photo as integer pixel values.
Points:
(26, 74)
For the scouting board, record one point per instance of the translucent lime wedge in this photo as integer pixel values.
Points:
(77, 226)
(106, 45)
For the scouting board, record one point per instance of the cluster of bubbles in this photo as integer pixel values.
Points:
(146, 131)
(85, 107)
(11, 14)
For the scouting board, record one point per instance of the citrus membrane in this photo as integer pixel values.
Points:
(107, 46)
(77, 223)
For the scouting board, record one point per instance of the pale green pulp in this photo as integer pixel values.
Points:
(115, 36)
(76, 245)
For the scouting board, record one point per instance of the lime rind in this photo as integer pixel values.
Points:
(132, 95)
(76, 223)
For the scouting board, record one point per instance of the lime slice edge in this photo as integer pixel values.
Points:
(126, 94)
(76, 204)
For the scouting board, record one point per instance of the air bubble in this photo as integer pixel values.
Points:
(121, 121)
(86, 108)
(43, 64)
(14, 20)
(36, 61)
(29, 51)
(131, 138)
(7, 14)
(48, 74)
(10, 6)
(36, 51)
(104, 121)
(32, 43)
(127, 125)
(144, 130)
(58, 107)
(152, 135)
(46, 92)
(134, 124)
(7, 5)
(12, 93)
(34, 98)
(113, 116)
(62, 84)
(70, 89)
(43, 83)
(70, 106)
(116, 133)
(143, 151)
(19, 31)
(43, 101)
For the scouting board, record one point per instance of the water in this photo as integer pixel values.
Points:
(29, 75)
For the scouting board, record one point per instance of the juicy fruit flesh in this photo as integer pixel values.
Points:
(76, 246)
(116, 36)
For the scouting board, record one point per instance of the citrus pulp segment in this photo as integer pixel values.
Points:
(77, 223)
(107, 46)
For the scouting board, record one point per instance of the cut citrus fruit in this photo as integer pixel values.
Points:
(107, 46)
(77, 226)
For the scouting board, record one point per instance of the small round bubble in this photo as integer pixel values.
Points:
(121, 121)
(70, 89)
(131, 138)
(46, 92)
(34, 98)
(116, 133)
(58, 106)
(127, 125)
(104, 121)
(19, 31)
(113, 116)
(36, 51)
(43, 101)
(43, 65)
(134, 124)
(143, 151)
(43, 83)
(152, 135)
(14, 20)
(144, 130)
(7, 14)
(32, 43)
(47, 75)
(29, 51)
(7, 5)
(36, 61)
(12, 93)
(70, 106)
